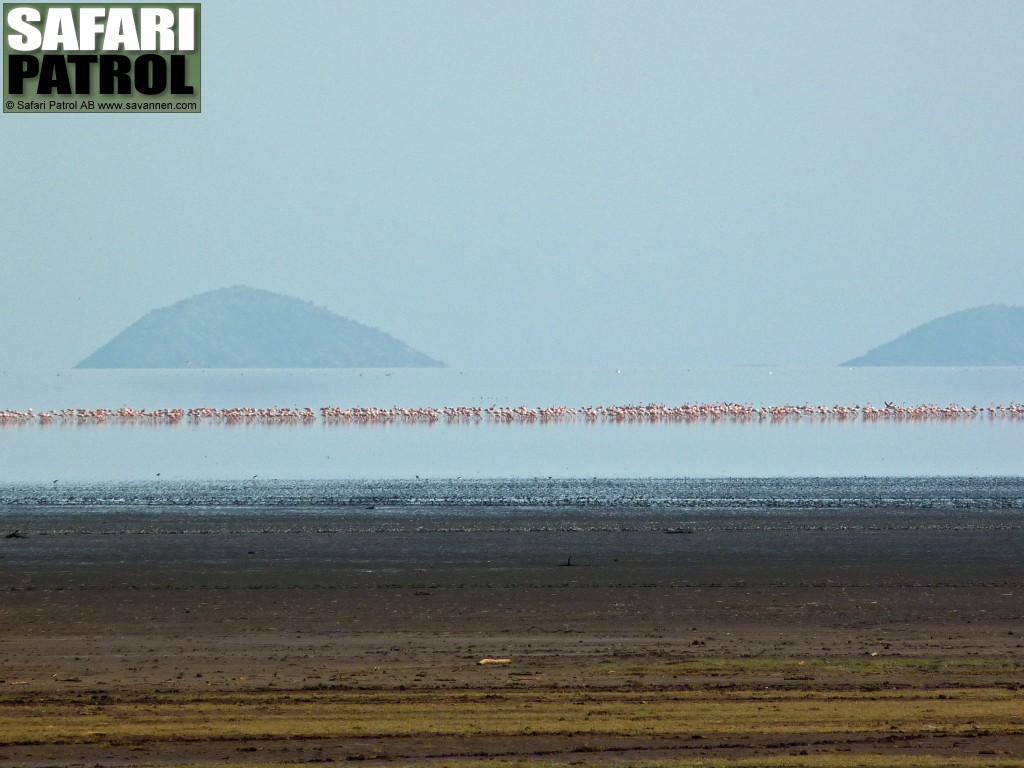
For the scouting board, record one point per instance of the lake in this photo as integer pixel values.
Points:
(574, 449)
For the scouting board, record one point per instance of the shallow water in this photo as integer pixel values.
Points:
(615, 495)
(979, 447)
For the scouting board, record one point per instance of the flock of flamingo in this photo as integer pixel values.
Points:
(634, 413)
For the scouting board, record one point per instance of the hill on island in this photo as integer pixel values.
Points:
(991, 335)
(246, 328)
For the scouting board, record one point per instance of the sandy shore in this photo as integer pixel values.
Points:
(122, 609)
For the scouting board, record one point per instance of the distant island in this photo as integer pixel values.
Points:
(243, 327)
(990, 335)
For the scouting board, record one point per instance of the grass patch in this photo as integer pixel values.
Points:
(803, 761)
(276, 715)
(859, 666)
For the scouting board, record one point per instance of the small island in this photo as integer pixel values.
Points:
(243, 327)
(989, 335)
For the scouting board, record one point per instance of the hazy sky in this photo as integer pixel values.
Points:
(544, 183)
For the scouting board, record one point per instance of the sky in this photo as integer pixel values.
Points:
(537, 184)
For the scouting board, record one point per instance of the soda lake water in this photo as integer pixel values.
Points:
(576, 449)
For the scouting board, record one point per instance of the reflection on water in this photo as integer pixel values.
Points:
(562, 449)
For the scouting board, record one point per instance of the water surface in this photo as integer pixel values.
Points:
(979, 447)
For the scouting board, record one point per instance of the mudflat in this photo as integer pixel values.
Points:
(248, 635)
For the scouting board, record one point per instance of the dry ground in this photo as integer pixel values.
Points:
(817, 639)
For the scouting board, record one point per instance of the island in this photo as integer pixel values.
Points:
(242, 327)
(989, 335)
